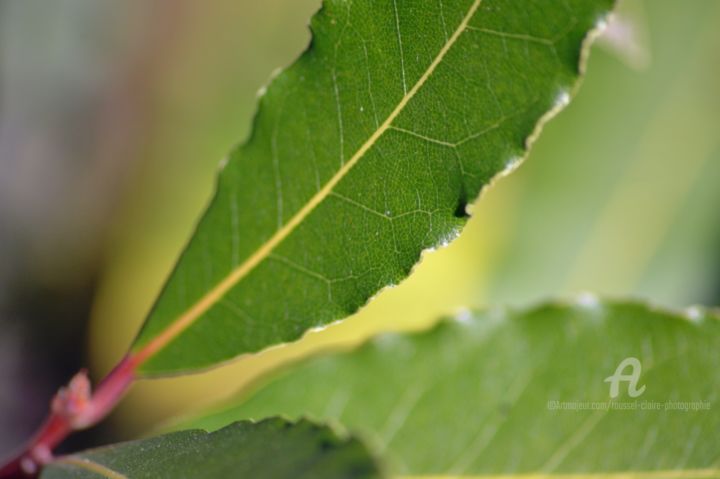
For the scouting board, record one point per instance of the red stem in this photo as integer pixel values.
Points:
(73, 408)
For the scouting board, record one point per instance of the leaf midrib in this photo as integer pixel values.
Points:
(92, 466)
(187, 318)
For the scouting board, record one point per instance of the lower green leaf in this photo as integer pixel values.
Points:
(273, 448)
(591, 389)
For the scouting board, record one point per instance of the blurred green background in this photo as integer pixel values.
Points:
(114, 116)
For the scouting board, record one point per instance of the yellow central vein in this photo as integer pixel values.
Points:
(87, 464)
(212, 296)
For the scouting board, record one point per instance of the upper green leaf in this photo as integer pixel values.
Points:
(523, 393)
(363, 153)
(272, 449)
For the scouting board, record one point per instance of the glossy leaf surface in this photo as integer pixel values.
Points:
(364, 153)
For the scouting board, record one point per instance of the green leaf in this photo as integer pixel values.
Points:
(475, 395)
(273, 448)
(364, 153)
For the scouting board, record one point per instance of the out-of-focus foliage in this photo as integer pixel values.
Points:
(76, 79)
(519, 392)
(626, 204)
(270, 449)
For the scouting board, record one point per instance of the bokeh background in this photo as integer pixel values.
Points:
(114, 116)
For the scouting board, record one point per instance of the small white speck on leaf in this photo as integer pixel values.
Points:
(588, 300)
(694, 313)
